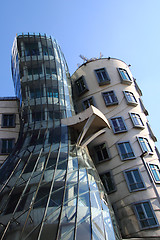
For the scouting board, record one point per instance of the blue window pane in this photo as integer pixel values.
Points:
(84, 230)
(125, 150)
(124, 75)
(134, 179)
(130, 177)
(145, 145)
(144, 223)
(137, 176)
(140, 211)
(152, 221)
(102, 76)
(156, 171)
(148, 210)
(145, 214)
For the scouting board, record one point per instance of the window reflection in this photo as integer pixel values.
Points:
(31, 49)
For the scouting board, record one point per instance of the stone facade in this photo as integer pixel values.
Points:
(124, 155)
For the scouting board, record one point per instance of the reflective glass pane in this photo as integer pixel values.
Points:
(97, 225)
(109, 231)
(84, 230)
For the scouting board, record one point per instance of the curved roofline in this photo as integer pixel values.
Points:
(92, 60)
(35, 34)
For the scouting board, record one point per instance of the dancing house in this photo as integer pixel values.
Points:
(50, 188)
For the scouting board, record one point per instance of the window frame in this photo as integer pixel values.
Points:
(137, 87)
(14, 120)
(13, 201)
(138, 119)
(34, 71)
(113, 102)
(36, 93)
(112, 182)
(38, 116)
(152, 172)
(149, 151)
(85, 84)
(101, 71)
(1, 145)
(119, 151)
(117, 122)
(131, 95)
(151, 132)
(95, 151)
(135, 182)
(87, 99)
(31, 49)
(126, 80)
(143, 107)
(152, 211)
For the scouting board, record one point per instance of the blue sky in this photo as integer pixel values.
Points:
(124, 29)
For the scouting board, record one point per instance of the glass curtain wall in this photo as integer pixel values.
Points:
(50, 188)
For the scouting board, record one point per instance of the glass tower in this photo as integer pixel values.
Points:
(50, 188)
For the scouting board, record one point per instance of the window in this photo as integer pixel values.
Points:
(101, 152)
(31, 164)
(81, 85)
(143, 107)
(50, 70)
(158, 153)
(145, 214)
(31, 49)
(102, 76)
(136, 119)
(7, 145)
(110, 98)
(124, 76)
(125, 151)
(34, 70)
(88, 102)
(42, 197)
(151, 132)
(13, 201)
(156, 172)
(144, 144)
(36, 92)
(130, 98)
(38, 116)
(51, 92)
(134, 180)
(108, 182)
(137, 87)
(47, 51)
(118, 125)
(8, 120)
(37, 137)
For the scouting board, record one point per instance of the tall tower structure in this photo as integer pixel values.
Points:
(124, 155)
(50, 188)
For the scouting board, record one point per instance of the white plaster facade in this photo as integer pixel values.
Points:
(122, 198)
(8, 106)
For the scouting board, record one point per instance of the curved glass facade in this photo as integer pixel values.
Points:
(50, 188)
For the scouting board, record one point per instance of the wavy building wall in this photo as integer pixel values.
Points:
(125, 155)
(50, 188)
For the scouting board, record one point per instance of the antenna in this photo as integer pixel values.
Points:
(84, 58)
(101, 55)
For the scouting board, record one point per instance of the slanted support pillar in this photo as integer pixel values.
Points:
(92, 137)
(85, 129)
